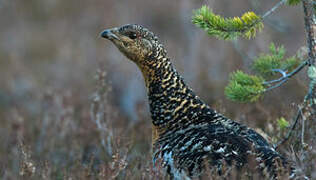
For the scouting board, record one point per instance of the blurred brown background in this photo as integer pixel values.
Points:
(50, 51)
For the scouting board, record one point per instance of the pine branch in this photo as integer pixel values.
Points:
(265, 63)
(244, 88)
(227, 28)
(249, 88)
(285, 76)
(230, 28)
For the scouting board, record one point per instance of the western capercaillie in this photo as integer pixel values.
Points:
(186, 131)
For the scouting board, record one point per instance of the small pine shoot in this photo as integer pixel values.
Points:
(283, 123)
(249, 88)
(290, 63)
(266, 64)
(244, 88)
(227, 28)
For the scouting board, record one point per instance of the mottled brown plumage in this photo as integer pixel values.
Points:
(187, 132)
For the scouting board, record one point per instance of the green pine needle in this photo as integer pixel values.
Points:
(283, 123)
(279, 52)
(293, 2)
(266, 63)
(290, 63)
(244, 88)
(227, 28)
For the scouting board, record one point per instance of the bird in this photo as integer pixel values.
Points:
(187, 134)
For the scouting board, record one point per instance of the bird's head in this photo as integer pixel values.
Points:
(135, 42)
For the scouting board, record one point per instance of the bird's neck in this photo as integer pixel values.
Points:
(172, 102)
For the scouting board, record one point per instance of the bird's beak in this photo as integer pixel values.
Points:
(110, 34)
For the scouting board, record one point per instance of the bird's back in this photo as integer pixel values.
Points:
(215, 143)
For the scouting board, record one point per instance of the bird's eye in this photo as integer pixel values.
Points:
(132, 35)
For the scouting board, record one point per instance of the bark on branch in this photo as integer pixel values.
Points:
(310, 28)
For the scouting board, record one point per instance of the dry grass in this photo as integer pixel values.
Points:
(105, 149)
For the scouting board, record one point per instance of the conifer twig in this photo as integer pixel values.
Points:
(273, 8)
(289, 75)
(285, 76)
(277, 85)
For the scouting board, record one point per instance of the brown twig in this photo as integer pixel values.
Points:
(303, 130)
(289, 133)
